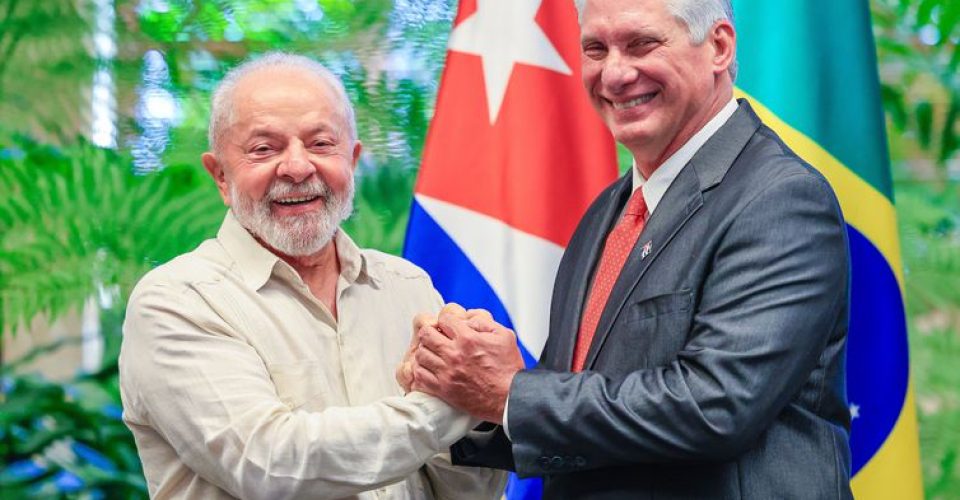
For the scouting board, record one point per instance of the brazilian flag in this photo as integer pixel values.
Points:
(809, 68)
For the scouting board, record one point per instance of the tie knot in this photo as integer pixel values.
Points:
(637, 205)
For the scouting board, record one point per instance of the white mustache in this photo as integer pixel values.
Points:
(313, 188)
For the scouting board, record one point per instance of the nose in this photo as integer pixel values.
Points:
(295, 164)
(617, 73)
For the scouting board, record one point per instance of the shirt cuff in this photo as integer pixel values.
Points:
(448, 423)
(506, 430)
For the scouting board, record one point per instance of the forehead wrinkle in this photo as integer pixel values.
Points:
(264, 121)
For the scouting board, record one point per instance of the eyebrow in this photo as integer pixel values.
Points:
(263, 131)
(636, 32)
(323, 127)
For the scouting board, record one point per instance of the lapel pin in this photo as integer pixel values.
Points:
(646, 250)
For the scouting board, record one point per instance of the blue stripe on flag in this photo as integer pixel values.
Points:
(454, 276)
(458, 280)
(524, 489)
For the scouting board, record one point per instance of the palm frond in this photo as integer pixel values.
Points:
(80, 221)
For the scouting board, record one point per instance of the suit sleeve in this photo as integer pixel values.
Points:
(767, 309)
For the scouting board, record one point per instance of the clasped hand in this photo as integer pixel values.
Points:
(464, 358)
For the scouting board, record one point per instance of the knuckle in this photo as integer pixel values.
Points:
(420, 320)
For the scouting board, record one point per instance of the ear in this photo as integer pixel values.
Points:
(723, 38)
(355, 160)
(216, 170)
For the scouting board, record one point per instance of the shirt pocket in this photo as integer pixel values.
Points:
(302, 385)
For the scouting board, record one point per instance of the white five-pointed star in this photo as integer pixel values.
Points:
(854, 411)
(504, 33)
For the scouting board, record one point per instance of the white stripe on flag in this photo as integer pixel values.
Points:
(519, 266)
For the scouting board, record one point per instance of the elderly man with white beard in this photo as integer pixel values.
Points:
(260, 365)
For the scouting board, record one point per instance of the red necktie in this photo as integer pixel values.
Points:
(620, 242)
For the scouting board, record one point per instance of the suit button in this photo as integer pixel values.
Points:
(543, 461)
(580, 461)
(556, 462)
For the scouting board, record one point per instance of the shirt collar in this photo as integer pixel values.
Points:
(256, 264)
(355, 265)
(656, 186)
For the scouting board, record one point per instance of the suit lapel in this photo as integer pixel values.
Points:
(684, 199)
(681, 201)
(589, 252)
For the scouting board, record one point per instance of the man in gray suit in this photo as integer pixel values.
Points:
(699, 315)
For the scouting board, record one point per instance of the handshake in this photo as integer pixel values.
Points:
(463, 357)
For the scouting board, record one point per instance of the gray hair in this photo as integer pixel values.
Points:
(698, 15)
(221, 109)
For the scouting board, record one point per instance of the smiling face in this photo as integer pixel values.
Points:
(651, 85)
(285, 163)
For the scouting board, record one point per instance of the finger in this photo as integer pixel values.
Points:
(436, 330)
(424, 319)
(488, 325)
(433, 339)
(454, 327)
(482, 324)
(452, 310)
(425, 381)
(404, 375)
(418, 322)
(479, 313)
(430, 360)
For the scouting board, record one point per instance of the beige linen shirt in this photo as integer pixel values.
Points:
(237, 382)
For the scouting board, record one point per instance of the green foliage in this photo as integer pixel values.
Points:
(40, 63)
(76, 222)
(919, 54)
(930, 231)
(382, 204)
(935, 351)
(930, 236)
(66, 438)
(919, 57)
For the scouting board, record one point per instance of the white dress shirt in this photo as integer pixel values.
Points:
(237, 382)
(656, 186)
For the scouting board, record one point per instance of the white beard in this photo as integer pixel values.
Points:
(296, 236)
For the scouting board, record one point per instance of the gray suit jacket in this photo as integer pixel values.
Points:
(717, 369)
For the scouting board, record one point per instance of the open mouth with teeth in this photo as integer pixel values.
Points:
(645, 98)
(295, 201)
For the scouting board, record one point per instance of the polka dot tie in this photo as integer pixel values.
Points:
(620, 242)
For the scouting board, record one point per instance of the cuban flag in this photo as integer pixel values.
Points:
(514, 156)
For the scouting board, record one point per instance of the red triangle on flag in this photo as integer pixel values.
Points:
(546, 155)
